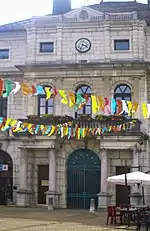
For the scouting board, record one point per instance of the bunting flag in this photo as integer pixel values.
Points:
(100, 104)
(94, 104)
(63, 130)
(72, 99)
(9, 88)
(48, 92)
(64, 97)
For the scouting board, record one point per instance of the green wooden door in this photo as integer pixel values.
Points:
(83, 178)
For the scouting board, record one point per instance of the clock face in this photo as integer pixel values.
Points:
(83, 45)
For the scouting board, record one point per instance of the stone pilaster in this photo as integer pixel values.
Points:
(23, 194)
(135, 42)
(52, 193)
(103, 196)
(107, 40)
(135, 197)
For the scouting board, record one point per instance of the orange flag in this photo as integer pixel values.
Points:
(72, 99)
(26, 89)
(1, 86)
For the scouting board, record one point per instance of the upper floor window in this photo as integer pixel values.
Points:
(4, 53)
(45, 106)
(46, 47)
(123, 92)
(121, 44)
(87, 108)
(3, 106)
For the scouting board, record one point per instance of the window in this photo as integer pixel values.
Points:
(123, 92)
(3, 106)
(121, 44)
(4, 53)
(87, 108)
(45, 106)
(47, 47)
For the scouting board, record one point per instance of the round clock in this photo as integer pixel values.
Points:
(83, 45)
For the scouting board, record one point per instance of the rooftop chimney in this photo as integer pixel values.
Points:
(61, 6)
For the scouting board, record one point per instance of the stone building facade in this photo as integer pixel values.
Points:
(49, 50)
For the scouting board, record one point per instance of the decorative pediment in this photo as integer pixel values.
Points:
(83, 14)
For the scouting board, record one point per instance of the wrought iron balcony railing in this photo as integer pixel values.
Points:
(126, 126)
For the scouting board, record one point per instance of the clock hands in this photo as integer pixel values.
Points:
(82, 46)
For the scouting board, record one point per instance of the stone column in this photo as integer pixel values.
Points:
(23, 194)
(103, 195)
(135, 191)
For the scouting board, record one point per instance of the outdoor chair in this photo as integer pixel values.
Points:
(142, 219)
(109, 215)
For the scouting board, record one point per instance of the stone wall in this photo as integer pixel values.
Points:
(117, 158)
(16, 43)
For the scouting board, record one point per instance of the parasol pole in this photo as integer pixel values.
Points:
(126, 184)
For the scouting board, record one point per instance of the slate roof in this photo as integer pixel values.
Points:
(111, 7)
(143, 10)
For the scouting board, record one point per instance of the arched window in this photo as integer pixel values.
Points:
(84, 90)
(3, 106)
(123, 92)
(45, 106)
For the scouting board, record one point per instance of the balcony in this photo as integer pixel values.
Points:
(102, 122)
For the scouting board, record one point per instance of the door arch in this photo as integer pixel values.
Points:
(6, 178)
(83, 178)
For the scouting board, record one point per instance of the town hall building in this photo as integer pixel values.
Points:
(99, 49)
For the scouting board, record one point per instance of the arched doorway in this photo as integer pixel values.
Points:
(83, 178)
(6, 178)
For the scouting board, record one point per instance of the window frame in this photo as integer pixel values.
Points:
(47, 106)
(46, 43)
(86, 105)
(3, 102)
(121, 40)
(4, 57)
(123, 95)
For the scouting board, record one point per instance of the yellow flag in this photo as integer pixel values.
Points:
(7, 123)
(100, 103)
(42, 127)
(78, 133)
(64, 97)
(145, 110)
(72, 99)
(48, 92)
(134, 107)
(94, 104)
(13, 123)
(52, 131)
(129, 103)
(67, 130)
(83, 133)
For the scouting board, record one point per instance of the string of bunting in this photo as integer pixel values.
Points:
(63, 130)
(77, 101)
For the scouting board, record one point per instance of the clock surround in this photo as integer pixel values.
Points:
(83, 45)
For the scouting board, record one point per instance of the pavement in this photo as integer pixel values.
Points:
(37, 219)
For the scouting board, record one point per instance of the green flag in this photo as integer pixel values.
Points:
(8, 87)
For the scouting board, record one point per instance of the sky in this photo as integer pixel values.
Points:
(17, 10)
